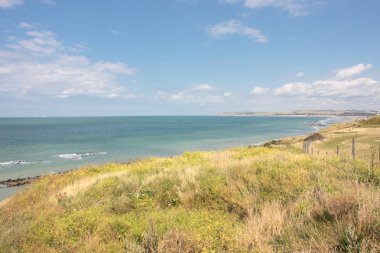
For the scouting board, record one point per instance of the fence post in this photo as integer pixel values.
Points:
(373, 150)
(337, 150)
(306, 146)
(353, 148)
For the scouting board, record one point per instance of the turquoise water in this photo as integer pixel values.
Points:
(35, 146)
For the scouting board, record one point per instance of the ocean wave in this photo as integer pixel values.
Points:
(80, 156)
(13, 163)
(318, 125)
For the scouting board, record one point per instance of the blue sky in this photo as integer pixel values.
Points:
(180, 57)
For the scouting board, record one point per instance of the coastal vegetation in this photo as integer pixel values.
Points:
(273, 198)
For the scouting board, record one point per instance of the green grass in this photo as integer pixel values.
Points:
(332, 143)
(238, 200)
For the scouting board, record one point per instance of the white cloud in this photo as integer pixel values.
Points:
(259, 90)
(114, 67)
(341, 87)
(197, 94)
(25, 25)
(235, 27)
(204, 87)
(6, 4)
(39, 42)
(300, 74)
(361, 87)
(162, 94)
(352, 71)
(40, 65)
(6, 55)
(5, 70)
(178, 96)
(194, 98)
(330, 93)
(292, 89)
(294, 7)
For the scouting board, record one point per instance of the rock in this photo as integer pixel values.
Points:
(18, 181)
(314, 137)
(271, 143)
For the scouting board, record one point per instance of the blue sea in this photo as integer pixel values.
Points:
(38, 146)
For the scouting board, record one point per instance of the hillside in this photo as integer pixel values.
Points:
(246, 199)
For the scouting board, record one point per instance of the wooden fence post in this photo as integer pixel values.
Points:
(337, 150)
(373, 150)
(306, 146)
(353, 148)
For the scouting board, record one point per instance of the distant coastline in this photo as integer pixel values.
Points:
(306, 113)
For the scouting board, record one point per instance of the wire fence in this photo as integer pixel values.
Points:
(371, 153)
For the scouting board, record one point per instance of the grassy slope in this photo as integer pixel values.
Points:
(366, 134)
(236, 200)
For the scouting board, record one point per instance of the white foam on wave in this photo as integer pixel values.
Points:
(12, 163)
(71, 156)
(80, 156)
(318, 125)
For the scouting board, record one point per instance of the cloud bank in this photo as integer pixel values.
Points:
(38, 64)
(347, 88)
(342, 85)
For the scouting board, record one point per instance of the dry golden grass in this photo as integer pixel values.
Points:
(84, 184)
(4, 202)
(261, 228)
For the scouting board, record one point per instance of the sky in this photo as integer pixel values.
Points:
(187, 57)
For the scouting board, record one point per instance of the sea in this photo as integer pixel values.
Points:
(45, 145)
